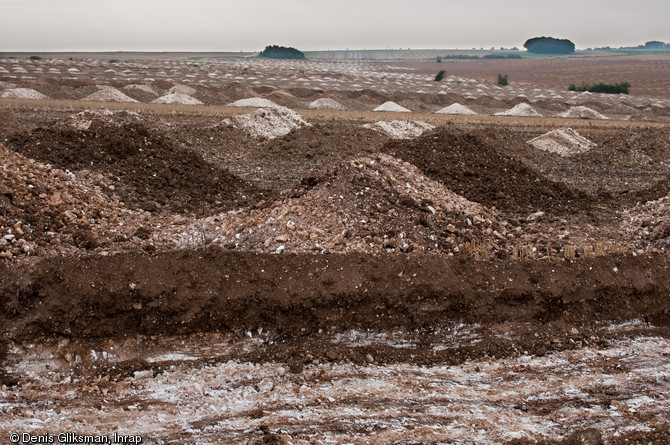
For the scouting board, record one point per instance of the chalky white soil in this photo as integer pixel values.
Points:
(615, 388)
(562, 141)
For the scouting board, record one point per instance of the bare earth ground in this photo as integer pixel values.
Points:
(167, 272)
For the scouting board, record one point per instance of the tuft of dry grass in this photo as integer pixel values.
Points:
(521, 252)
(477, 250)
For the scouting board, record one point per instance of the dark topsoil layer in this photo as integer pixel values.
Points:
(210, 290)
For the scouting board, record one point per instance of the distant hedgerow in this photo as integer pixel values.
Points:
(473, 57)
(35, 58)
(502, 56)
(458, 57)
(618, 88)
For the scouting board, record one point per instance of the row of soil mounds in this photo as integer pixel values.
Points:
(147, 170)
(492, 166)
(153, 165)
(212, 290)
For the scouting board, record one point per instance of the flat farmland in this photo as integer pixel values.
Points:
(649, 75)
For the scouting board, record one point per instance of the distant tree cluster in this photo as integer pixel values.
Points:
(281, 52)
(549, 45)
(618, 88)
(655, 44)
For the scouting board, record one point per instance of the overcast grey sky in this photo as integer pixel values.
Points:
(233, 25)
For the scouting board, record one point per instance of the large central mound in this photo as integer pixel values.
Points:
(474, 164)
(371, 204)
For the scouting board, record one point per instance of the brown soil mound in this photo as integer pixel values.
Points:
(65, 88)
(45, 209)
(284, 99)
(624, 168)
(372, 204)
(281, 163)
(150, 172)
(638, 159)
(651, 222)
(474, 163)
(645, 145)
(337, 141)
(140, 92)
(236, 91)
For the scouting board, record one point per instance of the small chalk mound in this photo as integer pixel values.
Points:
(108, 94)
(254, 102)
(522, 109)
(269, 123)
(563, 141)
(326, 104)
(177, 98)
(581, 112)
(400, 129)
(22, 93)
(392, 107)
(455, 108)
